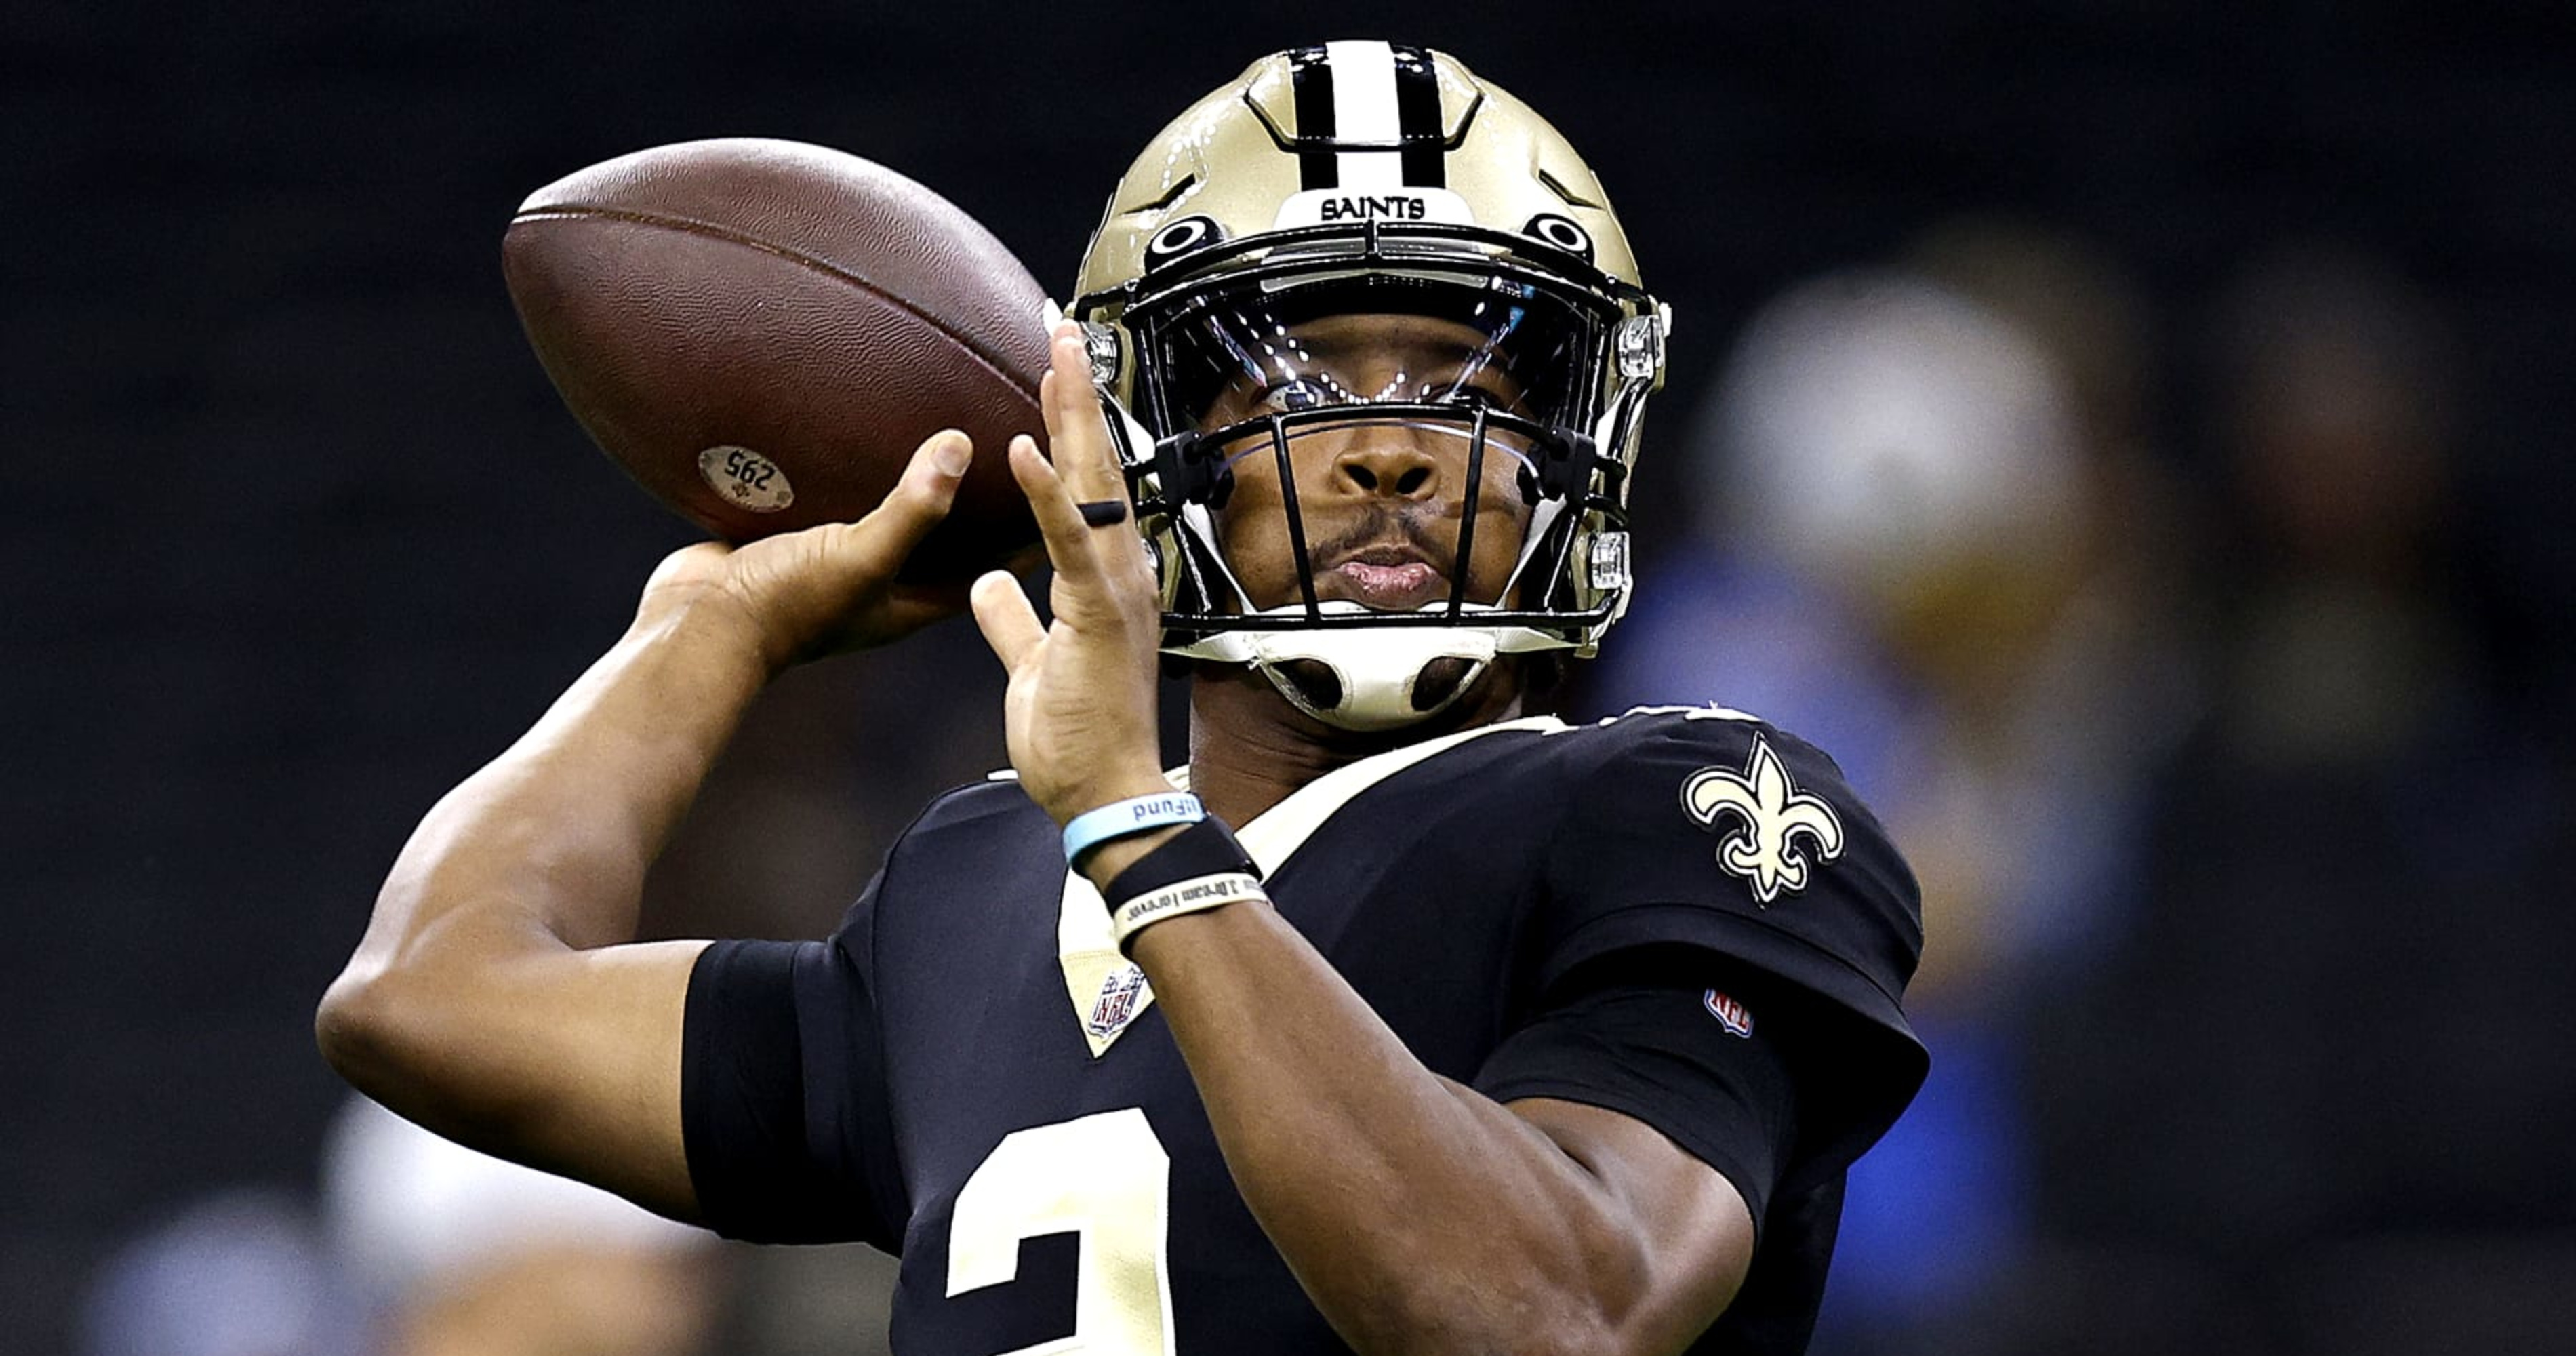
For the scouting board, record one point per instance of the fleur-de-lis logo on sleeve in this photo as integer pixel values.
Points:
(1775, 815)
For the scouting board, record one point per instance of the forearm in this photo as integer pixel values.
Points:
(533, 860)
(1418, 1214)
(554, 836)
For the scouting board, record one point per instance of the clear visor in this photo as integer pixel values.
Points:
(1268, 347)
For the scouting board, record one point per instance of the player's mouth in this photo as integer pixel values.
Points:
(1388, 577)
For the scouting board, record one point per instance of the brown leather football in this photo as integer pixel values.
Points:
(761, 332)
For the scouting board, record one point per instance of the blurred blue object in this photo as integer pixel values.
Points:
(1940, 1209)
(238, 1273)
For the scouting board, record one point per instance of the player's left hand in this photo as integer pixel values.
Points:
(1080, 710)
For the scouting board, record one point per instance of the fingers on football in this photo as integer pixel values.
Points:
(1004, 615)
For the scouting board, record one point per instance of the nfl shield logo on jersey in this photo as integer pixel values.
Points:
(1121, 996)
(1734, 1016)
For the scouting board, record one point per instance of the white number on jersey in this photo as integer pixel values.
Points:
(1104, 1177)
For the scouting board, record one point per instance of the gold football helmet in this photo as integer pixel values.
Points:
(1372, 179)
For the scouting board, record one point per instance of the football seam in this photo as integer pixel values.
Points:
(992, 362)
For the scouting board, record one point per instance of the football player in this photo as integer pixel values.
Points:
(1405, 1017)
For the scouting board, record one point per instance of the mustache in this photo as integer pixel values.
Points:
(1383, 525)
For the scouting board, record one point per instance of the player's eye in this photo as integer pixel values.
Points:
(1299, 393)
(1479, 391)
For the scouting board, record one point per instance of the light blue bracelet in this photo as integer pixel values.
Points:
(1127, 818)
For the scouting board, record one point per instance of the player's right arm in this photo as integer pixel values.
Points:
(498, 996)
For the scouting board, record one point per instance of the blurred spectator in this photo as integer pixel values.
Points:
(1926, 543)
(423, 1248)
(2335, 422)
(236, 1274)
(2330, 1062)
(460, 1254)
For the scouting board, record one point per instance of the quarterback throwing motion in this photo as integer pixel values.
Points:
(1405, 1017)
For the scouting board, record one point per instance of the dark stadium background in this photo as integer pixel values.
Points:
(298, 536)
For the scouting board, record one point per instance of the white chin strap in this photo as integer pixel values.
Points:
(1376, 670)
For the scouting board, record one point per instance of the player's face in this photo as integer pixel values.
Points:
(1382, 501)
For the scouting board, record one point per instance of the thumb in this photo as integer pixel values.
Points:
(1003, 614)
(919, 500)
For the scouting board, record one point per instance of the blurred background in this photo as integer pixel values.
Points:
(2133, 437)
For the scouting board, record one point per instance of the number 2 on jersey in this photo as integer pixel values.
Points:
(1104, 1177)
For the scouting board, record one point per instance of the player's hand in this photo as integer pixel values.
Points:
(828, 588)
(1080, 710)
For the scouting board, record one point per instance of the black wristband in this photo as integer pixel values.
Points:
(1206, 848)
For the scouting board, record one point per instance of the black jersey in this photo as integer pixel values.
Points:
(1680, 915)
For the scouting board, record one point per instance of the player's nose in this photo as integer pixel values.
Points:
(1386, 460)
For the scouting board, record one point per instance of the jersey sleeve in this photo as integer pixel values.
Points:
(782, 1091)
(1651, 1037)
(1724, 834)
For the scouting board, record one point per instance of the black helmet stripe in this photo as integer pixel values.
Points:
(1310, 75)
(1417, 112)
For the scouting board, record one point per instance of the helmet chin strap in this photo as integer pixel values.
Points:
(1375, 673)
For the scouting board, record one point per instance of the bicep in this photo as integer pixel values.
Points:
(565, 1060)
(1692, 1229)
